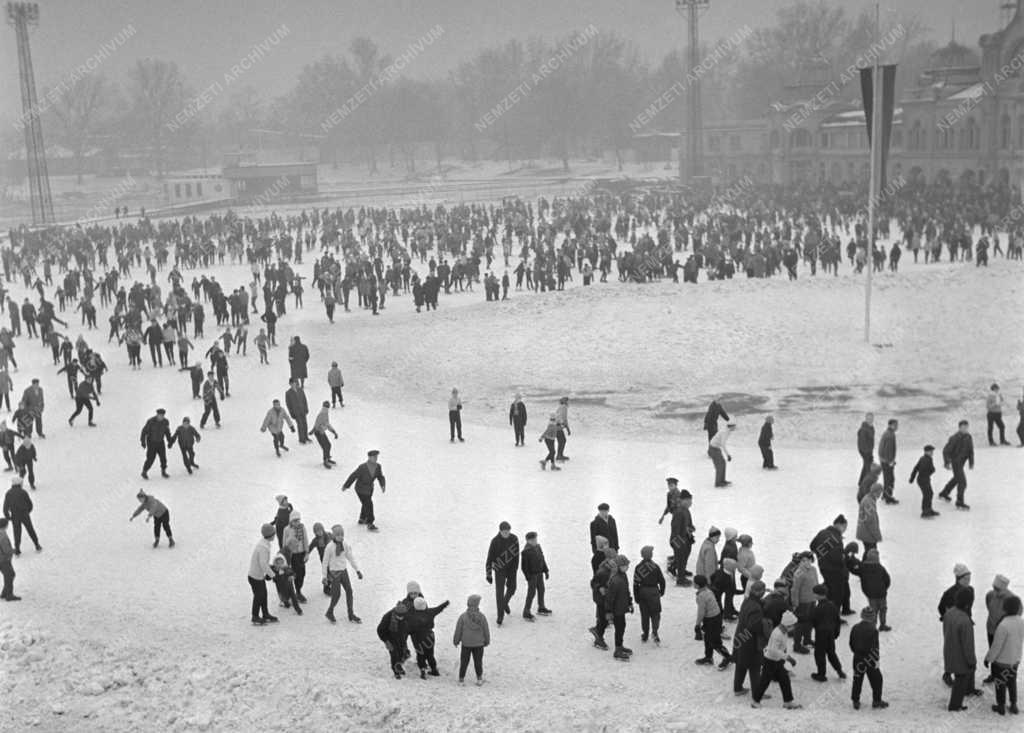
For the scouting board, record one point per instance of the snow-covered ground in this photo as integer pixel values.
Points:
(113, 635)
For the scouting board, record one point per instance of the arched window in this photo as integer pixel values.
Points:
(1005, 132)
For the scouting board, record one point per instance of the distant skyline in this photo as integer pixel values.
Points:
(206, 39)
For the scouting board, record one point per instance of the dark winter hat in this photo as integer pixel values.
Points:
(621, 561)
(326, 403)
(603, 507)
(714, 531)
(929, 448)
(840, 520)
(779, 584)
(700, 581)
(267, 530)
(401, 609)
(820, 589)
(647, 552)
(868, 614)
(531, 535)
(372, 453)
(684, 494)
(807, 555)
(672, 480)
(745, 539)
(757, 588)
(504, 525)
(161, 411)
(140, 495)
(851, 547)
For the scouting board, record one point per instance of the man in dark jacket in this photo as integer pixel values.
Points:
(682, 537)
(866, 445)
(517, 419)
(715, 411)
(535, 570)
(155, 436)
(958, 649)
(393, 630)
(18, 509)
(776, 603)
(502, 565)
(750, 639)
(866, 660)
(958, 451)
(887, 457)
(603, 525)
(764, 442)
(298, 356)
(923, 470)
(962, 576)
(617, 603)
(648, 589)
(155, 338)
(298, 407)
(363, 477)
(825, 620)
(827, 546)
(84, 395)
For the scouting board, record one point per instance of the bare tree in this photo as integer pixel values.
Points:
(77, 111)
(158, 97)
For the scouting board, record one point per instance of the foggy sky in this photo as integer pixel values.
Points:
(207, 38)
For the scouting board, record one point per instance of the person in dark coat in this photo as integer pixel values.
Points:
(363, 478)
(603, 525)
(155, 436)
(298, 407)
(866, 660)
(517, 419)
(599, 588)
(282, 517)
(958, 648)
(617, 603)
(962, 580)
(393, 630)
(959, 450)
(764, 442)
(874, 583)
(749, 641)
(18, 509)
(887, 458)
(535, 570)
(84, 396)
(866, 445)
(502, 564)
(298, 357)
(824, 618)
(827, 547)
(682, 537)
(648, 589)
(922, 472)
(186, 437)
(715, 411)
(6, 562)
(776, 603)
(420, 622)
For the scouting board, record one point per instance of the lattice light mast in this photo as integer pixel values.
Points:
(21, 15)
(691, 10)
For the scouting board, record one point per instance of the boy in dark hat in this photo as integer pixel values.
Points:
(866, 660)
(874, 582)
(671, 497)
(682, 537)
(825, 620)
(923, 470)
(363, 477)
(648, 588)
(603, 525)
(393, 631)
(535, 569)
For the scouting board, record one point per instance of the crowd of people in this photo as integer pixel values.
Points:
(416, 255)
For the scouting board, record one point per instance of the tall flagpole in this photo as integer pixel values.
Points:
(875, 183)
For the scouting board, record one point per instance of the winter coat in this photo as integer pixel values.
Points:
(778, 645)
(958, 642)
(874, 580)
(152, 506)
(764, 440)
(157, 430)
(923, 469)
(517, 414)
(648, 585)
(948, 599)
(959, 449)
(776, 604)
(993, 601)
(600, 581)
(867, 520)
(186, 436)
(33, 399)
(804, 580)
(866, 438)
(887, 446)
(363, 478)
(25, 455)
(17, 503)
(825, 619)
(503, 555)
(707, 559)
(751, 630)
(392, 629)
(864, 644)
(259, 563)
(1007, 641)
(682, 526)
(421, 623)
(298, 356)
(294, 540)
(334, 378)
(471, 629)
(714, 412)
(606, 529)
(617, 600)
(275, 420)
(296, 403)
(745, 560)
(322, 424)
(533, 561)
(827, 546)
(6, 549)
(707, 606)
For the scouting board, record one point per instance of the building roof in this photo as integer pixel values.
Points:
(265, 170)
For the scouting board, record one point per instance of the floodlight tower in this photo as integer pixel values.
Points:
(21, 15)
(691, 10)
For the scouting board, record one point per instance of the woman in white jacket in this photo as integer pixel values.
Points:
(1004, 654)
(337, 557)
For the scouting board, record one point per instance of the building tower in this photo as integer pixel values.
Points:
(21, 15)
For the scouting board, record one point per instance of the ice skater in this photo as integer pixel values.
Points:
(156, 510)
(186, 437)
